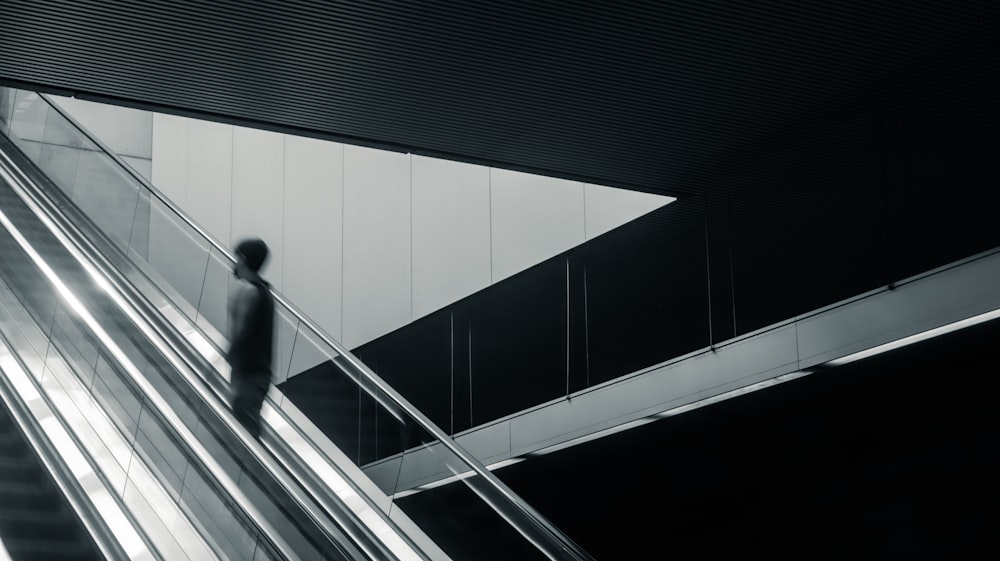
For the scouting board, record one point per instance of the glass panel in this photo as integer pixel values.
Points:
(121, 402)
(138, 245)
(286, 327)
(60, 132)
(214, 297)
(6, 109)
(214, 516)
(75, 371)
(81, 365)
(60, 164)
(162, 455)
(105, 196)
(29, 115)
(344, 400)
(398, 456)
(320, 390)
(179, 258)
(309, 352)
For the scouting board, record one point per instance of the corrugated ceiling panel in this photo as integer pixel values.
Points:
(644, 95)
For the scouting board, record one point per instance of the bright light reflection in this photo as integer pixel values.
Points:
(22, 384)
(126, 534)
(334, 481)
(92, 324)
(103, 283)
(923, 336)
(916, 338)
(57, 434)
(109, 509)
(905, 341)
(379, 527)
(4, 556)
(457, 477)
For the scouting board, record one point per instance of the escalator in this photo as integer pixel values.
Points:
(89, 357)
(36, 521)
(116, 307)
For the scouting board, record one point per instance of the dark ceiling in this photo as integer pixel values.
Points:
(657, 96)
(819, 148)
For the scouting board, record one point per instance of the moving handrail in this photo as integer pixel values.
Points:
(116, 271)
(519, 514)
(101, 514)
(254, 518)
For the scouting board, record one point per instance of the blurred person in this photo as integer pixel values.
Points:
(251, 335)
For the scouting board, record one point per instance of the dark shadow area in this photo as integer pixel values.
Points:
(36, 520)
(446, 515)
(332, 402)
(892, 458)
(889, 178)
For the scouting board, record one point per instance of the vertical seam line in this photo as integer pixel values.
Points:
(343, 243)
(410, 160)
(490, 189)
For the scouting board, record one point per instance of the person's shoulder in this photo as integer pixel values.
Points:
(248, 291)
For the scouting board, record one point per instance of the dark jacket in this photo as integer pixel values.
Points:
(251, 347)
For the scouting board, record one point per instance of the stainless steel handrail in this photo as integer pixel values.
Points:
(567, 549)
(152, 396)
(106, 536)
(133, 303)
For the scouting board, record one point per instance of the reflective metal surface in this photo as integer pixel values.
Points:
(89, 469)
(234, 469)
(191, 273)
(114, 367)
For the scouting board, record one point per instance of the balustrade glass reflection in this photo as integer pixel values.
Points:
(371, 423)
(77, 362)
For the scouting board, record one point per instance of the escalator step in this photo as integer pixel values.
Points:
(19, 468)
(36, 522)
(22, 495)
(21, 549)
(42, 524)
(9, 442)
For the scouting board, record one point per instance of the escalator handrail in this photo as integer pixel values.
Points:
(140, 310)
(107, 537)
(564, 545)
(197, 450)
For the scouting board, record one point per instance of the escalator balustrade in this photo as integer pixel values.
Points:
(36, 521)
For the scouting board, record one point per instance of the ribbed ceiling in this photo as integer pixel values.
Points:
(656, 96)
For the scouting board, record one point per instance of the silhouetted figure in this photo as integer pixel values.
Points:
(251, 335)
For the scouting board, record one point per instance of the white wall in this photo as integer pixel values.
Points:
(451, 232)
(607, 208)
(257, 197)
(364, 240)
(534, 218)
(313, 243)
(376, 265)
(207, 181)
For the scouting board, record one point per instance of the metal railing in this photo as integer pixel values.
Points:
(148, 227)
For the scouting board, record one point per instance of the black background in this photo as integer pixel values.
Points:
(891, 458)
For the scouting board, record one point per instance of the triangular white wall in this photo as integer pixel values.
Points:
(364, 240)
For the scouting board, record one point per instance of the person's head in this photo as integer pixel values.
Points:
(250, 257)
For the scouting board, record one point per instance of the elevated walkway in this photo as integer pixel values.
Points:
(926, 305)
